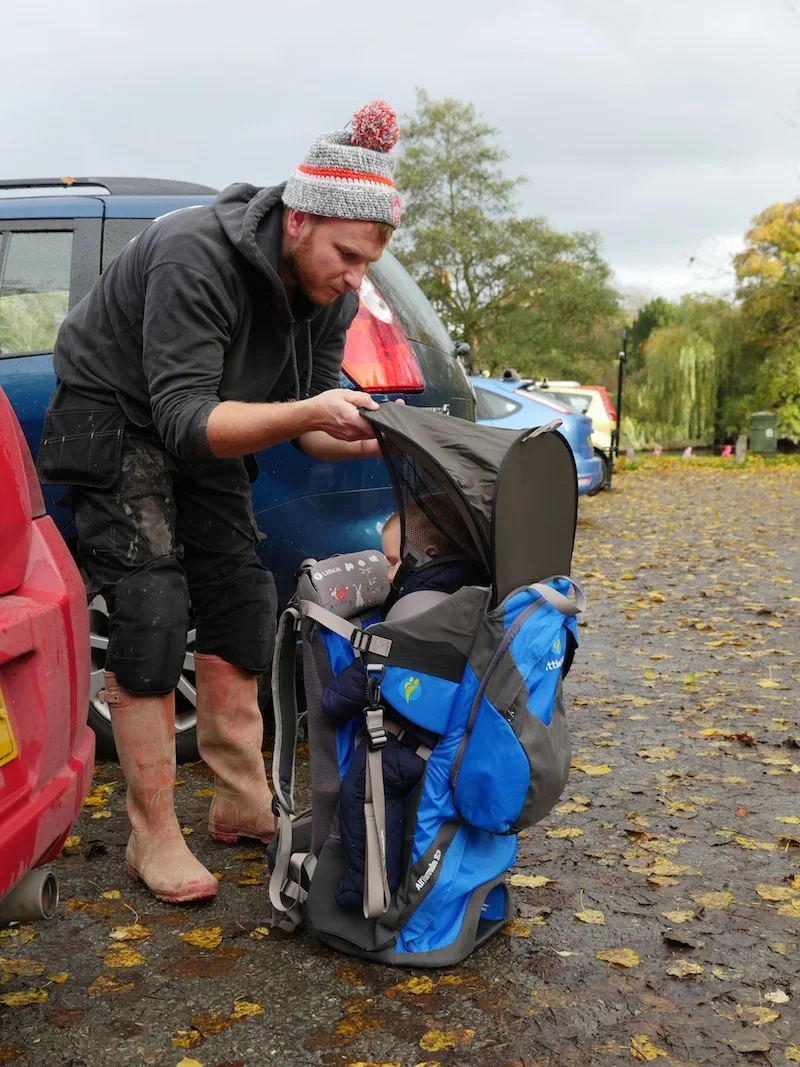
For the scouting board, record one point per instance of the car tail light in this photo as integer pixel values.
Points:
(606, 402)
(377, 355)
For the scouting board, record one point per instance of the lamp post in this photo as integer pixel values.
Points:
(623, 359)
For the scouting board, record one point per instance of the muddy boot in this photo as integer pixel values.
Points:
(230, 732)
(157, 853)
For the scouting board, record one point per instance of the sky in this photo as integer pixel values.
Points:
(662, 125)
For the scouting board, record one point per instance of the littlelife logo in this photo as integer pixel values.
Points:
(426, 877)
(554, 664)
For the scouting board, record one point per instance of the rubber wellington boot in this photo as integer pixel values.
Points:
(230, 732)
(157, 853)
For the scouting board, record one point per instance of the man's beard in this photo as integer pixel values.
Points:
(301, 266)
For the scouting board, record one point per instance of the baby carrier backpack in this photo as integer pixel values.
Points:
(476, 679)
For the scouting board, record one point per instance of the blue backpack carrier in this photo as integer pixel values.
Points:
(465, 687)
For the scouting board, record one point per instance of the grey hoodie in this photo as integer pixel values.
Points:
(193, 312)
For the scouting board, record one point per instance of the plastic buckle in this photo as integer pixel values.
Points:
(377, 735)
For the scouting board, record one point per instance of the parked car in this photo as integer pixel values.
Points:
(56, 236)
(46, 747)
(516, 404)
(591, 400)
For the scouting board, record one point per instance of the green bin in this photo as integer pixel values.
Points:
(764, 432)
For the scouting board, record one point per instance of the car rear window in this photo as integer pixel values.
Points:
(581, 402)
(492, 406)
(409, 303)
(34, 289)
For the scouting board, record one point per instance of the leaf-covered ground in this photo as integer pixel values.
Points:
(658, 908)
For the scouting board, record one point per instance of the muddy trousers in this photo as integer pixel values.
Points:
(170, 537)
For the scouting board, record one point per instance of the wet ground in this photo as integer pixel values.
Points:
(658, 908)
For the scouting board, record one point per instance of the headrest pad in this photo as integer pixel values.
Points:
(347, 585)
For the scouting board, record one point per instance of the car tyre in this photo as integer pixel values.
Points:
(606, 482)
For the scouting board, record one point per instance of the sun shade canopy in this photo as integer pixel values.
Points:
(506, 498)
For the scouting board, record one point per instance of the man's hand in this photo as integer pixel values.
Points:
(336, 413)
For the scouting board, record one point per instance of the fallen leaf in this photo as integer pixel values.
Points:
(678, 916)
(655, 754)
(777, 996)
(642, 1048)
(783, 948)
(187, 1038)
(750, 1043)
(204, 792)
(111, 894)
(243, 1008)
(188, 1063)
(21, 1000)
(717, 901)
(727, 974)
(619, 957)
(522, 927)
(123, 956)
(794, 820)
(792, 1053)
(531, 881)
(106, 985)
(203, 937)
(768, 683)
(260, 933)
(440, 1040)
(134, 932)
(98, 796)
(595, 918)
(595, 769)
(419, 987)
(758, 1016)
(684, 969)
(792, 909)
(71, 843)
(23, 968)
(59, 978)
(102, 814)
(775, 892)
(565, 831)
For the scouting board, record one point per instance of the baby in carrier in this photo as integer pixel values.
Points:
(346, 698)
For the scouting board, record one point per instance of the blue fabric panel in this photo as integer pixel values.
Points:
(494, 907)
(421, 698)
(473, 857)
(494, 775)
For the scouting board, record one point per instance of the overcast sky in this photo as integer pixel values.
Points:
(664, 125)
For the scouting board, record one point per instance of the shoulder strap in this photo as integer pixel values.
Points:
(361, 640)
(558, 600)
(377, 897)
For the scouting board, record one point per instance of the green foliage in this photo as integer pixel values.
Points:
(520, 293)
(656, 313)
(29, 321)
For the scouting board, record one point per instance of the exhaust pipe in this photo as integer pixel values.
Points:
(35, 897)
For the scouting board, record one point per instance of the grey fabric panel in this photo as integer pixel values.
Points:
(439, 640)
(537, 478)
(325, 781)
(548, 748)
(346, 584)
(284, 703)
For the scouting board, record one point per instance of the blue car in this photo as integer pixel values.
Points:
(57, 235)
(516, 404)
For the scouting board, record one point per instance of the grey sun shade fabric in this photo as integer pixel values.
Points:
(497, 480)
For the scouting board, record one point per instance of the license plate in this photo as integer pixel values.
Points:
(8, 746)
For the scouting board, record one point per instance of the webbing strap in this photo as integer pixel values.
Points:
(558, 600)
(360, 640)
(377, 897)
(284, 894)
(284, 707)
(423, 751)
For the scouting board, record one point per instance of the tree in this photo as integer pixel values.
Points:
(517, 291)
(656, 313)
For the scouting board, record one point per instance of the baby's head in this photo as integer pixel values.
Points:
(426, 535)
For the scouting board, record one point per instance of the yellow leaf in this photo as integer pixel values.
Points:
(775, 892)
(243, 1008)
(566, 831)
(656, 753)
(188, 1063)
(792, 1053)
(678, 916)
(684, 969)
(420, 987)
(783, 948)
(204, 792)
(768, 683)
(531, 881)
(394, 1063)
(582, 800)
(59, 979)
(106, 984)
(187, 1038)
(103, 814)
(620, 957)
(793, 820)
(71, 843)
(714, 901)
(777, 996)
(134, 932)
(516, 928)
(98, 796)
(595, 769)
(589, 915)
(664, 866)
(642, 1048)
(21, 1000)
(570, 808)
(658, 597)
(26, 968)
(203, 937)
(440, 1040)
(111, 894)
(758, 1016)
(260, 933)
(660, 880)
(727, 974)
(792, 910)
(186, 830)
(751, 844)
(123, 956)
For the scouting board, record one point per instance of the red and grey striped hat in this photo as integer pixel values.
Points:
(347, 174)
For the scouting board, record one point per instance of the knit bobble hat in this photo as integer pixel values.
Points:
(347, 174)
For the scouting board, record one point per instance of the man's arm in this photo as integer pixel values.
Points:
(329, 424)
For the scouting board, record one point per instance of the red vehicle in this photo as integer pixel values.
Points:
(46, 748)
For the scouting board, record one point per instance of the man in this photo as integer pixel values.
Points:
(171, 373)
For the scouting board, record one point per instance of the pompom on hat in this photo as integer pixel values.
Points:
(347, 174)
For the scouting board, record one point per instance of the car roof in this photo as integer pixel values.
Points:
(144, 198)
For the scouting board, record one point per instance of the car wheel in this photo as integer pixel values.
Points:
(606, 482)
(185, 696)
